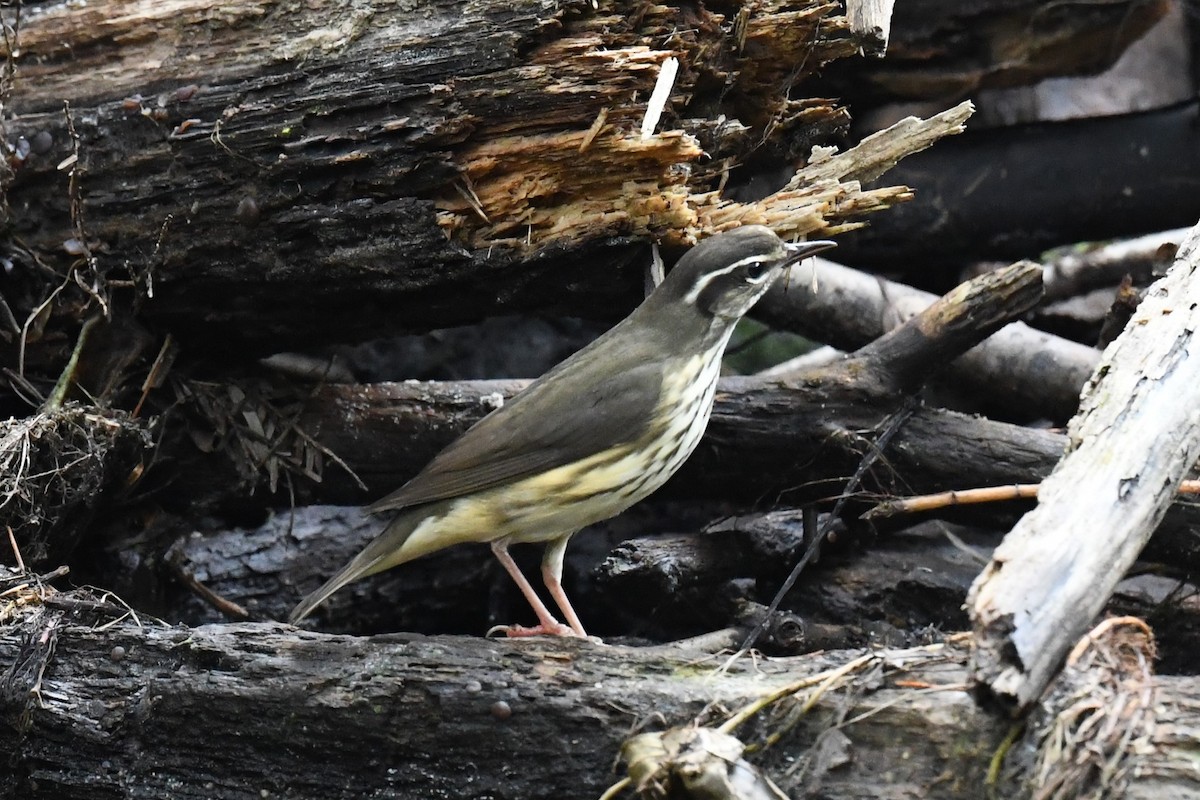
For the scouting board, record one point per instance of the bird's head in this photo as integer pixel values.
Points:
(724, 276)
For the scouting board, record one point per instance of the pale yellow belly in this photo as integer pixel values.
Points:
(559, 502)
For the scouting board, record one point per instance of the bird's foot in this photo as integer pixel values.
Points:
(542, 629)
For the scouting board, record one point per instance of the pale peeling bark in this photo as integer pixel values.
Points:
(871, 16)
(1136, 435)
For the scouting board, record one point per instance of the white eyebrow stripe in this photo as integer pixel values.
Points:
(694, 293)
(705, 280)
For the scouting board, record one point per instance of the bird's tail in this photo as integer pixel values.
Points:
(383, 552)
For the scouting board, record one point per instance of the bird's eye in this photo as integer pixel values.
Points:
(756, 269)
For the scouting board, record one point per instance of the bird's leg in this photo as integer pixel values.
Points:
(552, 569)
(547, 624)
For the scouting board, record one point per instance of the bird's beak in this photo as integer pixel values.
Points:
(798, 251)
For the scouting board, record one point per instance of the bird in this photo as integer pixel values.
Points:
(597, 433)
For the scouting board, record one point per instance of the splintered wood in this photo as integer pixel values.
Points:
(585, 162)
(535, 189)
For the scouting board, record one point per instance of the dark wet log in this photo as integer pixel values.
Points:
(889, 590)
(766, 434)
(1010, 193)
(627, 579)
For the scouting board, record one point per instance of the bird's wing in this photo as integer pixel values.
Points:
(537, 431)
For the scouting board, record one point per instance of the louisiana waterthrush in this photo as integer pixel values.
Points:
(592, 436)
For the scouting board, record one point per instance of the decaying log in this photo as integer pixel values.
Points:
(257, 168)
(1135, 437)
(763, 437)
(893, 590)
(914, 580)
(99, 710)
(261, 572)
(1018, 370)
(341, 717)
(866, 588)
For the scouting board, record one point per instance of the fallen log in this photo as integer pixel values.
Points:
(765, 433)
(246, 171)
(98, 707)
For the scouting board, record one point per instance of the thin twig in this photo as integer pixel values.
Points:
(334, 457)
(822, 681)
(616, 788)
(12, 540)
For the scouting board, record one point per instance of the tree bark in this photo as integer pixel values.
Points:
(269, 176)
(762, 437)
(127, 710)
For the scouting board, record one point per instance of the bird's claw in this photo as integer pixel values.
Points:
(542, 629)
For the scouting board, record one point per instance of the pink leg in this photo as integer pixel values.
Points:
(547, 624)
(552, 568)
